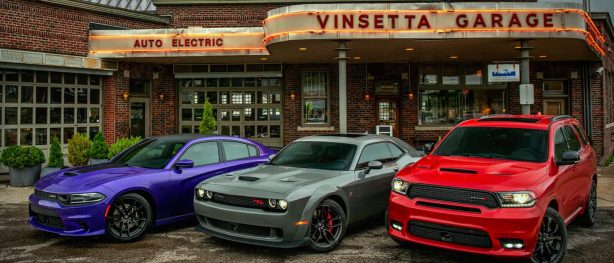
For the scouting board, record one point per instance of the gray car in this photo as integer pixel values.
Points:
(307, 194)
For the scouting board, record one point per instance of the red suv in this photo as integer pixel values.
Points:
(502, 185)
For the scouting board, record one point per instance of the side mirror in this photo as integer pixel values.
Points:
(182, 164)
(428, 148)
(373, 165)
(569, 157)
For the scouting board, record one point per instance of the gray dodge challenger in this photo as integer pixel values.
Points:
(307, 194)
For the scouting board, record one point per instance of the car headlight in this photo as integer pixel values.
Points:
(200, 193)
(78, 199)
(399, 186)
(517, 199)
(283, 204)
(278, 204)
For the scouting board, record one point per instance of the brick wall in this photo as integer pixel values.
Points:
(116, 119)
(35, 26)
(241, 15)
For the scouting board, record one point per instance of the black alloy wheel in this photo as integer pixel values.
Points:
(551, 240)
(327, 227)
(590, 210)
(128, 218)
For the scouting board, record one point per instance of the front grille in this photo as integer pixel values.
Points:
(245, 229)
(448, 234)
(45, 195)
(50, 221)
(243, 201)
(456, 195)
(449, 207)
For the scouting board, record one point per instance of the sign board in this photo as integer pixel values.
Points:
(383, 130)
(526, 94)
(503, 72)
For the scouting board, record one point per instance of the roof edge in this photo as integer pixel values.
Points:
(93, 7)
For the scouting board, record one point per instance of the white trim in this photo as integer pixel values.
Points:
(609, 125)
(433, 128)
(58, 61)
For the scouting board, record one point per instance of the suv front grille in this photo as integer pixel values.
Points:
(448, 234)
(456, 195)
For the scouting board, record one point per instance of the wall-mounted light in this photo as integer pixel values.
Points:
(292, 96)
(411, 95)
(367, 96)
(161, 96)
(125, 96)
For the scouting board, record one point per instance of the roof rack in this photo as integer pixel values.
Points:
(560, 117)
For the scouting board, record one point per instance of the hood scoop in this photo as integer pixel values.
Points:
(457, 170)
(70, 174)
(248, 178)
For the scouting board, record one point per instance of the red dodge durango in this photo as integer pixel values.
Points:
(502, 185)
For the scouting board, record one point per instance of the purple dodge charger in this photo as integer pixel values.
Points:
(149, 184)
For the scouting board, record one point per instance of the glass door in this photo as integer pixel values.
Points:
(139, 117)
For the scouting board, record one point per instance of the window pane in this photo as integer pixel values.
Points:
(454, 106)
(473, 75)
(199, 83)
(236, 115)
(236, 131)
(202, 154)
(224, 97)
(212, 82)
(186, 114)
(10, 115)
(41, 115)
(82, 116)
(11, 75)
(82, 79)
(224, 83)
(25, 136)
(198, 114)
(250, 97)
(314, 84)
(94, 96)
(69, 78)
(237, 82)
(374, 152)
(82, 130)
(275, 97)
(82, 95)
(94, 115)
(428, 74)
(263, 131)
(94, 80)
(56, 95)
(41, 136)
(56, 133)
(275, 131)
(451, 75)
(10, 93)
(572, 139)
(56, 77)
(262, 97)
(26, 116)
(237, 98)
(69, 116)
(252, 151)
(186, 97)
(235, 150)
(27, 76)
(263, 114)
(315, 111)
(212, 96)
(225, 116)
(27, 94)
(186, 129)
(68, 133)
(199, 97)
(249, 114)
(559, 145)
(249, 82)
(42, 93)
(275, 114)
(42, 76)
(69, 95)
(250, 131)
(93, 132)
(55, 116)
(10, 137)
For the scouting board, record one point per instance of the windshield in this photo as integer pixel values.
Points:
(316, 155)
(498, 143)
(151, 153)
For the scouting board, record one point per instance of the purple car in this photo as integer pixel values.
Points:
(149, 184)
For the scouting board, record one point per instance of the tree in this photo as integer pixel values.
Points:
(208, 125)
(56, 159)
(99, 149)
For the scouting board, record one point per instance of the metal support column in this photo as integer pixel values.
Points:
(525, 58)
(342, 58)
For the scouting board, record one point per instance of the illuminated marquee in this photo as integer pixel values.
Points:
(177, 42)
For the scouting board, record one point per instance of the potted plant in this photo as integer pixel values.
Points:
(79, 149)
(208, 124)
(100, 151)
(56, 158)
(24, 164)
(121, 145)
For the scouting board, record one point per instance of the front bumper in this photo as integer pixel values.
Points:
(51, 216)
(494, 224)
(251, 225)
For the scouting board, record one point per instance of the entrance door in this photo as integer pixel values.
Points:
(388, 114)
(555, 106)
(139, 117)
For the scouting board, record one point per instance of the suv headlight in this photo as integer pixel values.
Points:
(517, 199)
(399, 186)
(78, 199)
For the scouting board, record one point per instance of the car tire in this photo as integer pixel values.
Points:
(551, 245)
(129, 217)
(590, 210)
(327, 226)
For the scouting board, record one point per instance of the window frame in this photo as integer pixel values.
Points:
(327, 98)
(569, 127)
(389, 160)
(223, 150)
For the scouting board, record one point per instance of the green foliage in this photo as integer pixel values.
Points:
(20, 157)
(78, 149)
(122, 144)
(56, 159)
(208, 125)
(99, 149)
(609, 160)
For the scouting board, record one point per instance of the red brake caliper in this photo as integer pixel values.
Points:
(329, 221)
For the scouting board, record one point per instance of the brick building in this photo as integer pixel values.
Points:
(276, 71)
